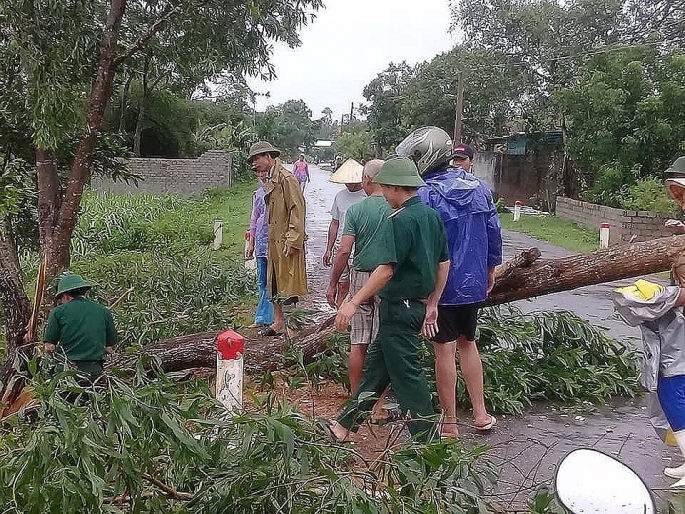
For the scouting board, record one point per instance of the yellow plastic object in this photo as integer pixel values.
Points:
(642, 289)
(670, 438)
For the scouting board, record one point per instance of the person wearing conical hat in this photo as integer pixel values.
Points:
(80, 332)
(286, 276)
(409, 283)
(350, 174)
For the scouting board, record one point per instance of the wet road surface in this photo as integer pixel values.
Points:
(528, 448)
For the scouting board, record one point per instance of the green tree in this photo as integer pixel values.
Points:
(357, 145)
(383, 112)
(493, 89)
(625, 117)
(288, 126)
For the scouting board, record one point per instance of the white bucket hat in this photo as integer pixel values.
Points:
(349, 173)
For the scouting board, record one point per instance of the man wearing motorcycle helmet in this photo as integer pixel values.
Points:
(475, 243)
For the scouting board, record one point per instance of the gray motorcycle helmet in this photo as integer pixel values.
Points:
(428, 147)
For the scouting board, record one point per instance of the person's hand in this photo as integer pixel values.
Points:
(330, 295)
(109, 350)
(430, 322)
(249, 251)
(327, 259)
(491, 279)
(345, 313)
(676, 226)
(287, 250)
(49, 348)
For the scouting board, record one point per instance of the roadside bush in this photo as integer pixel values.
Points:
(153, 446)
(555, 356)
(650, 195)
(616, 186)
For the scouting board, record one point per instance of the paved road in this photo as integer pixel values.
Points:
(528, 448)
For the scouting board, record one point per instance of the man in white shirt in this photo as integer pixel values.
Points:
(350, 174)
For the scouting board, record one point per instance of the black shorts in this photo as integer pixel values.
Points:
(456, 320)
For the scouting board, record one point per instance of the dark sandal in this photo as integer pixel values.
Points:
(269, 332)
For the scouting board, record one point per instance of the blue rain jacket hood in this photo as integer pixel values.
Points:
(474, 233)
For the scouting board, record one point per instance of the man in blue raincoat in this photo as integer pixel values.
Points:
(475, 244)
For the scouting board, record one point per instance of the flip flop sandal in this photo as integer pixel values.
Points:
(325, 428)
(488, 426)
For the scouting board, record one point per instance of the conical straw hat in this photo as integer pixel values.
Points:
(349, 173)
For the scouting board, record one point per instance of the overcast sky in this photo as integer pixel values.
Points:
(348, 44)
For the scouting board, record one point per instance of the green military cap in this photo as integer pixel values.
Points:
(399, 172)
(71, 282)
(261, 147)
(677, 168)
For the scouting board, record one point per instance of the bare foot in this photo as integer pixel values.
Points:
(448, 428)
(339, 431)
(486, 423)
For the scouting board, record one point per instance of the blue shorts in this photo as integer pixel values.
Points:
(671, 392)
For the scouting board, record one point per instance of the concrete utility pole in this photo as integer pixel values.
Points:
(459, 108)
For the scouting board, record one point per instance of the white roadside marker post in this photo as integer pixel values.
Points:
(230, 348)
(517, 210)
(604, 235)
(218, 233)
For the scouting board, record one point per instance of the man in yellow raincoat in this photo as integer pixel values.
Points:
(286, 272)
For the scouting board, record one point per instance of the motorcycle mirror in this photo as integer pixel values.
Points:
(591, 481)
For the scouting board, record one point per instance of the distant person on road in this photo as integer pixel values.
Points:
(367, 230)
(409, 281)
(349, 174)
(80, 332)
(286, 276)
(301, 171)
(474, 237)
(256, 247)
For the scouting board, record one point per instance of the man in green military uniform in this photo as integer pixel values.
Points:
(80, 330)
(409, 283)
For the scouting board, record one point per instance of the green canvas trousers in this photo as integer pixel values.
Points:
(393, 358)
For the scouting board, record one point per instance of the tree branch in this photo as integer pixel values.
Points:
(172, 493)
(149, 32)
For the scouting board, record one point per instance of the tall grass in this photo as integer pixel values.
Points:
(162, 247)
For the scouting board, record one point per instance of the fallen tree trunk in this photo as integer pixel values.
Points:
(524, 276)
(545, 276)
(199, 350)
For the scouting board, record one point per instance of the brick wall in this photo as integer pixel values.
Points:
(625, 224)
(182, 176)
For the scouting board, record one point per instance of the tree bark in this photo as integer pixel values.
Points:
(99, 97)
(199, 350)
(16, 309)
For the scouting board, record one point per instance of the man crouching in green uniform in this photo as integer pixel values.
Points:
(409, 286)
(79, 329)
